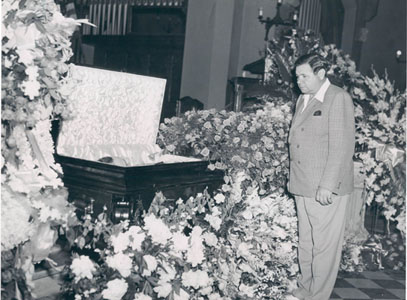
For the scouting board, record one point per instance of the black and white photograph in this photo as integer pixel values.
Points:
(203, 149)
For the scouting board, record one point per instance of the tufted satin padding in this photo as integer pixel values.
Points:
(111, 108)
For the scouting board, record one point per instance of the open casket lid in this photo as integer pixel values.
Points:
(111, 108)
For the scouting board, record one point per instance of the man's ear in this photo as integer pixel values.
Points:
(321, 74)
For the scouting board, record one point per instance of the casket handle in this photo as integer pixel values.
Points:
(122, 210)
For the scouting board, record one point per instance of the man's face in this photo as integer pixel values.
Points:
(308, 81)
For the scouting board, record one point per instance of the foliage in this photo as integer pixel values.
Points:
(379, 115)
(35, 49)
(282, 52)
(255, 141)
(382, 134)
(234, 245)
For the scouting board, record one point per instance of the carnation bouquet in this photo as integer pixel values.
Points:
(254, 141)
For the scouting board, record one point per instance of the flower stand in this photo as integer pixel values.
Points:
(355, 229)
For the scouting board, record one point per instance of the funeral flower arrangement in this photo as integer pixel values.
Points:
(380, 134)
(234, 245)
(255, 141)
(379, 113)
(35, 49)
(239, 243)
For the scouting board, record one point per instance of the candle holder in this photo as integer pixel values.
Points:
(277, 20)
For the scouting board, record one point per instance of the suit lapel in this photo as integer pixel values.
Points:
(298, 108)
(301, 116)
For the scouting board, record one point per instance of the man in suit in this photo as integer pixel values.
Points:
(321, 141)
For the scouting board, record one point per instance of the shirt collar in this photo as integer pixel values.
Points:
(321, 92)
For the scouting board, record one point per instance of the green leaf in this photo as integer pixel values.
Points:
(22, 4)
(40, 26)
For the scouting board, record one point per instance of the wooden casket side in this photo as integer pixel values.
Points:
(125, 191)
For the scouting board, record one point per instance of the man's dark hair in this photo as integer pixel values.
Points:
(316, 62)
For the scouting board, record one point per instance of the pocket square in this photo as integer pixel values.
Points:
(317, 113)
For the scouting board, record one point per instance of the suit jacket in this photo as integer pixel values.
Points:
(321, 143)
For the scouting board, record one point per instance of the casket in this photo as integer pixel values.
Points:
(108, 152)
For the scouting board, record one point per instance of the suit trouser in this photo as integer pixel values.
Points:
(321, 229)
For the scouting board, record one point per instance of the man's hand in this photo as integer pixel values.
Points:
(324, 196)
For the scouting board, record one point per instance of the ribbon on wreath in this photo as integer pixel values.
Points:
(46, 170)
(390, 155)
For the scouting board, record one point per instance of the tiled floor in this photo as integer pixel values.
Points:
(383, 285)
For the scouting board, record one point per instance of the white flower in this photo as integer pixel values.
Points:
(207, 125)
(151, 264)
(247, 214)
(214, 296)
(46, 212)
(32, 72)
(16, 226)
(170, 148)
(120, 262)
(156, 228)
(279, 232)
(180, 242)
(205, 152)
(31, 88)
(247, 290)
(164, 286)
(120, 242)
(286, 247)
(243, 250)
(206, 290)
(210, 239)
(141, 296)
(82, 267)
(214, 221)
(23, 37)
(195, 279)
(163, 289)
(136, 237)
(219, 198)
(115, 289)
(195, 254)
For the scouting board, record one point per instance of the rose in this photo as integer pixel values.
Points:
(180, 242)
(115, 289)
(120, 262)
(120, 242)
(151, 264)
(210, 239)
(195, 279)
(219, 198)
(156, 228)
(140, 296)
(82, 267)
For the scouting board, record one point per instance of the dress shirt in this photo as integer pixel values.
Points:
(319, 95)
